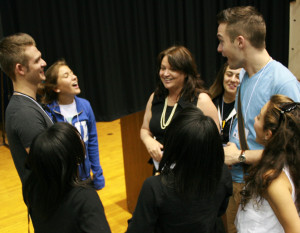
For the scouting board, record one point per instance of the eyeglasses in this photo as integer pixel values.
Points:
(286, 107)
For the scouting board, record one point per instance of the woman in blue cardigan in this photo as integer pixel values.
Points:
(59, 93)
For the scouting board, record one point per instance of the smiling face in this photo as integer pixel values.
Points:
(229, 49)
(261, 135)
(35, 66)
(67, 82)
(171, 79)
(231, 80)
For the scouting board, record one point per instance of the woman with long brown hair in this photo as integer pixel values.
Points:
(271, 198)
(178, 86)
(223, 92)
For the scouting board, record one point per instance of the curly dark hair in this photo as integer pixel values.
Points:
(181, 59)
(283, 119)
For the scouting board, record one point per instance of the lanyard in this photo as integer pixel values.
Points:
(254, 89)
(220, 114)
(34, 101)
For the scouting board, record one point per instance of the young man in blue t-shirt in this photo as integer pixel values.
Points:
(241, 34)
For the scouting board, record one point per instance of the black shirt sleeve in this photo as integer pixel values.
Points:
(92, 217)
(145, 216)
(227, 182)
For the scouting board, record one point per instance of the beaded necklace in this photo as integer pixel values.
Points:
(163, 123)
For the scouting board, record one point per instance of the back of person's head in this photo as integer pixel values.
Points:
(245, 21)
(47, 88)
(282, 118)
(193, 144)
(53, 160)
(217, 87)
(181, 59)
(12, 51)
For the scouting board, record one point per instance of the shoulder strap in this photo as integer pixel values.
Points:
(241, 125)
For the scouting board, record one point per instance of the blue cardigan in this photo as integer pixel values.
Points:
(85, 123)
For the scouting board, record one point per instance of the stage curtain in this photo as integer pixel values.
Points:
(112, 45)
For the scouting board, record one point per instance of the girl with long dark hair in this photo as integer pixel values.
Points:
(194, 185)
(57, 201)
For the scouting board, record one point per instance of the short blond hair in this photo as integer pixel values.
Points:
(245, 21)
(12, 51)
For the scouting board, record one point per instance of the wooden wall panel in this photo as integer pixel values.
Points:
(135, 156)
(294, 48)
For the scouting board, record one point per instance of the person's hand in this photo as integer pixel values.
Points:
(154, 149)
(232, 154)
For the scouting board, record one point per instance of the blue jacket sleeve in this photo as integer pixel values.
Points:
(93, 151)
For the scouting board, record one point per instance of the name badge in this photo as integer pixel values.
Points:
(235, 133)
(246, 132)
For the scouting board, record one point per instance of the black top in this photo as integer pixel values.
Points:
(80, 211)
(225, 132)
(159, 208)
(157, 109)
(24, 121)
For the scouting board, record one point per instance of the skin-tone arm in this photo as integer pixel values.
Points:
(279, 196)
(232, 154)
(153, 147)
(206, 105)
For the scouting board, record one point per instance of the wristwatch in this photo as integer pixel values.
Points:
(242, 158)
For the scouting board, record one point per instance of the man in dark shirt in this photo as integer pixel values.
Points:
(25, 118)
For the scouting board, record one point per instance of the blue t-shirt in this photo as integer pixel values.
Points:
(256, 91)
